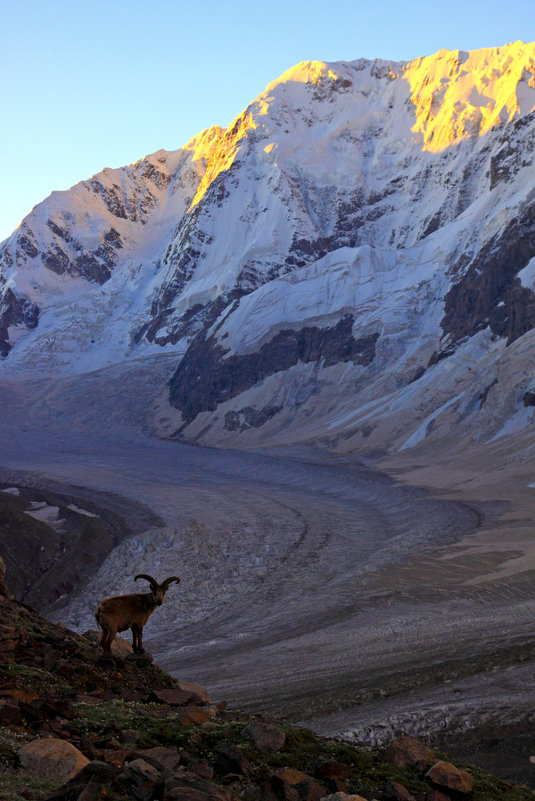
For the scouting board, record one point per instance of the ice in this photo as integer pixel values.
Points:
(420, 433)
(80, 511)
(46, 514)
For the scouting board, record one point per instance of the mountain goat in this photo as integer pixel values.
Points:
(121, 612)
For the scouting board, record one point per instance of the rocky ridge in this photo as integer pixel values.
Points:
(75, 725)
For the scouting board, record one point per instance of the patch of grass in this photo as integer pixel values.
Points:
(14, 783)
(488, 788)
(34, 631)
(10, 743)
(33, 678)
(147, 719)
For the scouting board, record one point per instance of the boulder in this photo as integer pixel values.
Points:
(173, 696)
(10, 715)
(199, 694)
(183, 785)
(436, 795)
(119, 647)
(444, 774)
(139, 780)
(3, 588)
(201, 767)
(408, 752)
(192, 716)
(334, 772)
(343, 797)
(138, 660)
(394, 791)
(160, 757)
(91, 784)
(130, 736)
(50, 758)
(231, 759)
(265, 736)
(291, 785)
(116, 756)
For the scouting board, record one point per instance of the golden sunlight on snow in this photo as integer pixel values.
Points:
(220, 152)
(304, 72)
(455, 95)
(459, 94)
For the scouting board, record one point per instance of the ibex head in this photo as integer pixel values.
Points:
(158, 590)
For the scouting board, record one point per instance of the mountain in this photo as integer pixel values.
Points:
(351, 262)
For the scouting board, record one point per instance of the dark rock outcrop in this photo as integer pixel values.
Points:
(3, 586)
(15, 311)
(490, 294)
(207, 377)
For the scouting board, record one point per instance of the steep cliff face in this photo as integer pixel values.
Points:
(361, 233)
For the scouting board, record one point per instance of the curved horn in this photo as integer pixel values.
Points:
(153, 582)
(164, 585)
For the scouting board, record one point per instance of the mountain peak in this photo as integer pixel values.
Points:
(460, 94)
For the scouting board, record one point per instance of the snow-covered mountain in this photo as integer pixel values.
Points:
(351, 261)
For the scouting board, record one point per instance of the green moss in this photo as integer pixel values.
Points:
(147, 719)
(488, 788)
(34, 631)
(33, 678)
(13, 784)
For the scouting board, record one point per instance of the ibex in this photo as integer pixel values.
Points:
(121, 612)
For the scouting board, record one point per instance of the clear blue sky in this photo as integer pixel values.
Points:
(90, 83)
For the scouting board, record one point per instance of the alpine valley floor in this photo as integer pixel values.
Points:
(357, 599)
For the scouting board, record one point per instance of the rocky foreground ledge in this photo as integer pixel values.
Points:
(75, 726)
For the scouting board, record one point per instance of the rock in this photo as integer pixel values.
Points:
(343, 797)
(138, 779)
(3, 586)
(10, 638)
(293, 785)
(116, 756)
(51, 708)
(407, 752)
(436, 795)
(52, 758)
(91, 784)
(93, 792)
(231, 759)
(119, 647)
(56, 635)
(10, 715)
(159, 757)
(209, 375)
(139, 660)
(201, 767)
(265, 736)
(130, 694)
(394, 791)
(444, 774)
(192, 715)
(335, 772)
(198, 692)
(184, 785)
(174, 697)
(130, 736)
